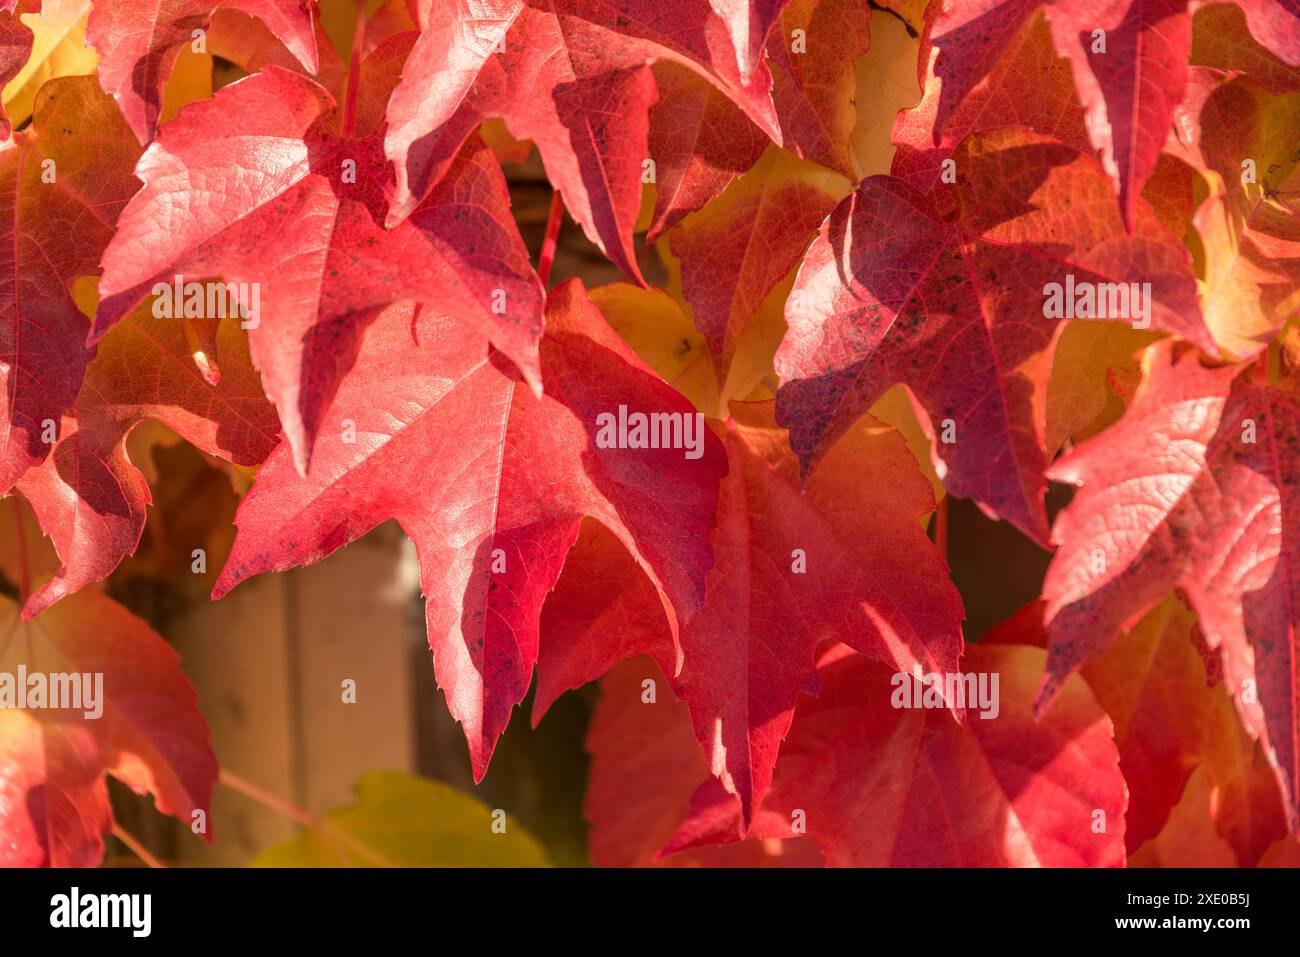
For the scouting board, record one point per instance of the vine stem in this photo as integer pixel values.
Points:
(330, 835)
(136, 846)
(354, 70)
(247, 788)
(553, 220)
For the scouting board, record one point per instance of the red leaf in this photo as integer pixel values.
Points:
(1001, 98)
(644, 767)
(738, 249)
(64, 183)
(1194, 488)
(280, 170)
(572, 76)
(891, 291)
(1170, 716)
(880, 786)
(138, 42)
(1129, 59)
(814, 86)
(15, 47)
(493, 508)
(602, 611)
(88, 496)
(700, 142)
(54, 805)
(1222, 39)
(794, 570)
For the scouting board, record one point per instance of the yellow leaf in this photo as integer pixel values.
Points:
(1090, 359)
(656, 329)
(1249, 255)
(191, 80)
(58, 49)
(738, 249)
(896, 408)
(886, 83)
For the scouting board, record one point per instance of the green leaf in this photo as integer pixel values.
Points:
(405, 821)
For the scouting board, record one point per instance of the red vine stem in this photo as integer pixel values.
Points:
(136, 846)
(553, 220)
(330, 835)
(266, 798)
(354, 69)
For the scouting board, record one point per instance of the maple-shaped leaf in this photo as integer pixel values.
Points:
(1129, 60)
(700, 142)
(1095, 370)
(138, 42)
(1001, 98)
(742, 661)
(814, 58)
(1189, 838)
(879, 785)
(960, 308)
(1160, 685)
(574, 77)
(145, 730)
(796, 569)
(1153, 685)
(88, 496)
(1194, 488)
(64, 182)
(1276, 25)
(1221, 38)
(1247, 806)
(737, 249)
(15, 47)
(267, 184)
(645, 765)
(58, 49)
(492, 484)
(1248, 224)
(793, 570)
(602, 611)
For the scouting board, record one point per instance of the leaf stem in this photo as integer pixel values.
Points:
(329, 834)
(553, 220)
(266, 798)
(136, 846)
(354, 70)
